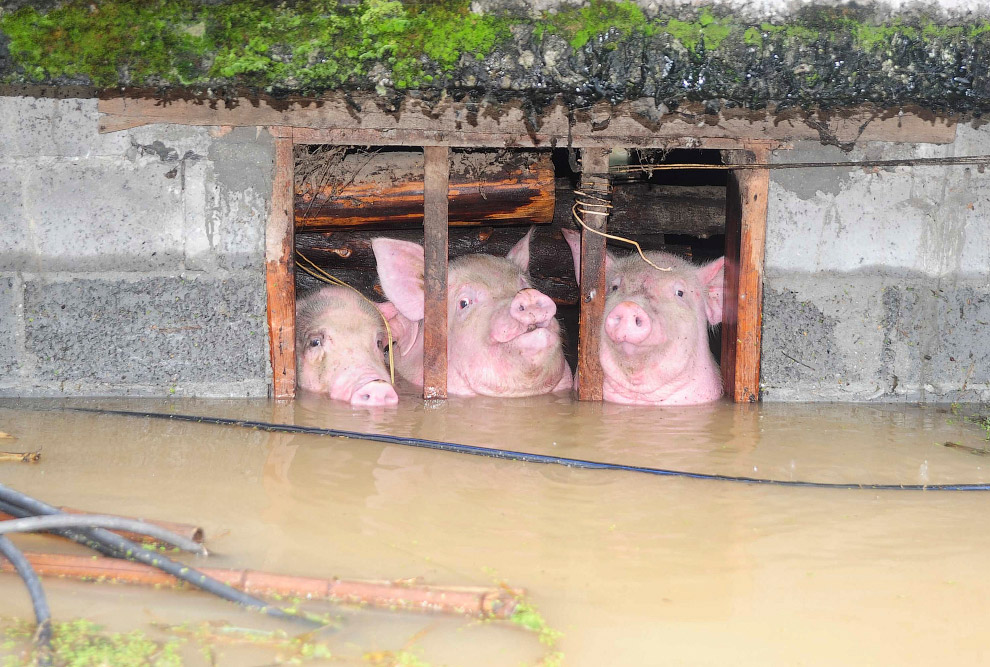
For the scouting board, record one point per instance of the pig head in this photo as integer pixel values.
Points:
(654, 338)
(340, 339)
(502, 338)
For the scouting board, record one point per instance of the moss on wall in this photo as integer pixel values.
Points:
(603, 50)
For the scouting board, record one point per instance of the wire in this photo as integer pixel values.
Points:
(525, 457)
(961, 160)
(133, 551)
(35, 524)
(42, 614)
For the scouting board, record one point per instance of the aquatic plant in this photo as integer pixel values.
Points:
(82, 643)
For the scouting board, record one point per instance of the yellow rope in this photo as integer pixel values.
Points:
(323, 276)
(581, 208)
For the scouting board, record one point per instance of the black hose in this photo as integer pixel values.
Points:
(511, 455)
(34, 524)
(132, 551)
(79, 536)
(42, 615)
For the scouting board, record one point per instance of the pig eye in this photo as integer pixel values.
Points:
(615, 285)
(679, 292)
(380, 342)
(315, 342)
(463, 303)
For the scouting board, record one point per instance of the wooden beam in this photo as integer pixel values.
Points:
(372, 120)
(280, 271)
(435, 188)
(594, 181)
(745, 241)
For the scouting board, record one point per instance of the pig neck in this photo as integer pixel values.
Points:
(410, 364)
(700, 383)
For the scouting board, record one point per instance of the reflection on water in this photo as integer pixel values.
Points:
(634, 569)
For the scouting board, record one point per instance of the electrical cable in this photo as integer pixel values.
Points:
(511, 455)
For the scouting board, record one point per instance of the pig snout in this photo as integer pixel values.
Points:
(376, 392)
(628, 323)
(532, 307)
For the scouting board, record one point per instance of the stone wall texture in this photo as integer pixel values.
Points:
(131, 263)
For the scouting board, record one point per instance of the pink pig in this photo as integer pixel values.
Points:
(340, 339)
(502, 338)
(654, 347)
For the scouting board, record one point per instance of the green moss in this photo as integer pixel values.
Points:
(82, 643)
(580, 25)
(311, 46)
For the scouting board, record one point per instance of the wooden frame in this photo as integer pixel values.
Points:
(746, 211)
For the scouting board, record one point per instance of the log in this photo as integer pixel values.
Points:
(644, 208)
(384, 190)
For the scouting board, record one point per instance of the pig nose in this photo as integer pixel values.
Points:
(628, 323)
(531, 306)
(377, 392)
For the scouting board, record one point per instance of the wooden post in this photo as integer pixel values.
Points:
(745, 237)
(435, 207)
(280, 270)
(595, 183)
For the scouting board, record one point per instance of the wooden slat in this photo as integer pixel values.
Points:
(436, 181)
(280, 272)
(594, 179)
(333, 119)
(742, 328)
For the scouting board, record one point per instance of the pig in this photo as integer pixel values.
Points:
(340, 342)
(654, 338)
(502, 337)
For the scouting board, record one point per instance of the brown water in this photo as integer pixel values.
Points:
(633, 569)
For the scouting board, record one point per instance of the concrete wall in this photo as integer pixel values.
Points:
(130, 263)
(878, 281)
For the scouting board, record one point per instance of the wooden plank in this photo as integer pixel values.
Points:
(418, 122)
(280, 272)
(436, 180)
(594, 180)
(746, 216)
(385, 190)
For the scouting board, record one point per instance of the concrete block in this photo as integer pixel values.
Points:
(238, 196)
(103, 214)
(37, 127)
(153, 333)
(15, 239)
(823, 338)
(10, 356)
(938, 336)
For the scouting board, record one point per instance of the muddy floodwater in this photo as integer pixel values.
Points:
(631, 569)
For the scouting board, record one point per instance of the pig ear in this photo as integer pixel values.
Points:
(404, 331)
(573, 238)
(400, 268)
(712, 277)
(519, 255)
